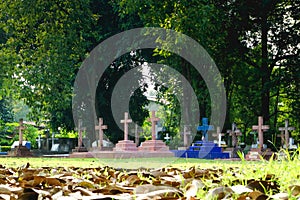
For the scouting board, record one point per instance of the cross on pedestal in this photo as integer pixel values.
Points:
(20, 151)
(21, 128)
(234, 133)
(205, 128)
(219, 135)
(154, 144)
(100, 127)
(80, 129)
(285, 137)
(260, 128)
(153, 121)
(126, 121)
(125, 145)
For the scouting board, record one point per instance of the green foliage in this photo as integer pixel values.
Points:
(31, 134)
(64, 133)
(5, 148)
(254, 44)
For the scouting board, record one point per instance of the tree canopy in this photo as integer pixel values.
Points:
(255, 45)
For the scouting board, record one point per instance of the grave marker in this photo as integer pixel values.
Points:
(234, 133)
(154, 144)
(80, 129)
(125, 145)
(126, 121)
(260, 128)
(285, 137)
(20, 150)
(153, 121)
(100, 128)
(21, 128)
(219, 136)
(167, 137)
(205, 128)
(39, 140)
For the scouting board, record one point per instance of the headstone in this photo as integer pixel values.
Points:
(219, 136)
(260, 128)
(285, 137)
(125, 145)
(154, 145)
(55, 148)
(100, 128)
(80, 147)
(205, 128)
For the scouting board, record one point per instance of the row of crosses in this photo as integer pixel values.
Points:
(100, 127)
(235, 132)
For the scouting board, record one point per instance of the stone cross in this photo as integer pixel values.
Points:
(153, 121)
(205, 128)
(219, 135)
(260, 128)
(285, 137)
(126, 121)
(234, 133)
(100, 127)
(80, 129)
(21, 128)
(186, 136)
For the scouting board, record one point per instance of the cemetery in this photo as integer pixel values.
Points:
(149, 100)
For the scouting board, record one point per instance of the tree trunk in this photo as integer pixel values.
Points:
(265, 95)
(186, 72)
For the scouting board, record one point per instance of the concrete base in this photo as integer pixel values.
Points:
(125, 145)
(20, 151)
(257, 154)
(80, 149)
(153, 145)
(124, 154)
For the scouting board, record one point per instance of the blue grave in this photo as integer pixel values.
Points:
(203, 149)
(205, 128)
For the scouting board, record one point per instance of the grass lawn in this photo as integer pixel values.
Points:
(285, 174)
(133, 163)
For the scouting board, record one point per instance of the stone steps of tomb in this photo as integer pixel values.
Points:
(125, 145)
(153, 145)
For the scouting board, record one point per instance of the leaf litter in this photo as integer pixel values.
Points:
(26, 183)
